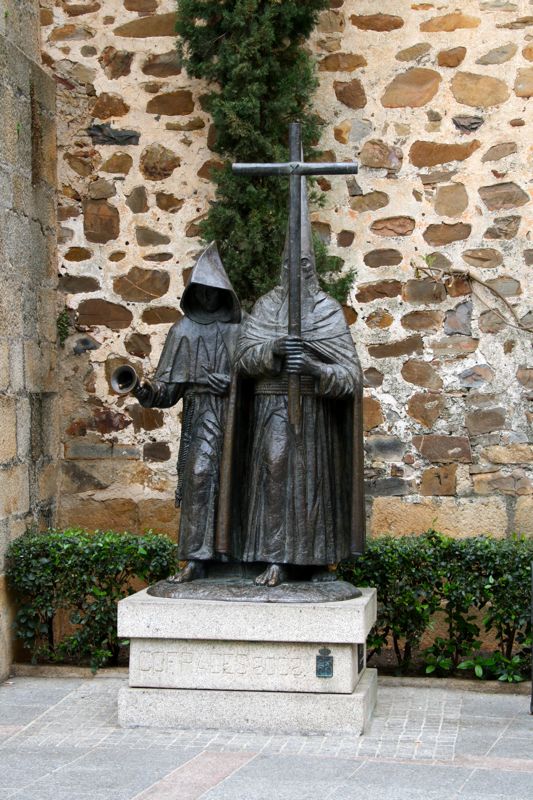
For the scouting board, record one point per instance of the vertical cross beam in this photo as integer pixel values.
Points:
(295, 274)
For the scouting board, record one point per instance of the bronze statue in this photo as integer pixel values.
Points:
(196, 366)
(304, 485)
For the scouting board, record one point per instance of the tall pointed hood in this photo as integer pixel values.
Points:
(307, 250)
(209, 272)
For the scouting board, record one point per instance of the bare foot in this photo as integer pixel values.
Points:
(323, 576)
(273, 575)
(190, 572)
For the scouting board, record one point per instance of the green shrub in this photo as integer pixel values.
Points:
(422, 580)
(85, 574)
(260, 77)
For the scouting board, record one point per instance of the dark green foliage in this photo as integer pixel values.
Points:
(86, 574)
(261, 78)
(466, 584)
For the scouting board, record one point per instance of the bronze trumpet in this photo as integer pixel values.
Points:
(124, 379)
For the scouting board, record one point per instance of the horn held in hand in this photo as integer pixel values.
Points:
(124, 379)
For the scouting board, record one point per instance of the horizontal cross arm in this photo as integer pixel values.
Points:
(296, 168)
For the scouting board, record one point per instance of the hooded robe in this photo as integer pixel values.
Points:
(304, 501)
(202, 342)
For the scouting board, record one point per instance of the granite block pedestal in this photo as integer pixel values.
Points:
(296, 665)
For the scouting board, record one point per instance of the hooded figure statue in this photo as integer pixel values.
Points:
(195, 366)
(304, 499)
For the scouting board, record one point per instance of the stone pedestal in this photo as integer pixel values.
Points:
(248, 664)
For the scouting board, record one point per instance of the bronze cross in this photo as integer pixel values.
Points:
(295, 168)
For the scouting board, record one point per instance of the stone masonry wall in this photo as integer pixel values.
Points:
(434, 102)
(29, 440)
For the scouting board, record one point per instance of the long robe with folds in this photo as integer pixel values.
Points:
(301, 489)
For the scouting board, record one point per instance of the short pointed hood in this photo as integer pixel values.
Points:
(209, 271)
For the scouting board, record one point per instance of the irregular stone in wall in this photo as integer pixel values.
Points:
(158, 162)
(458, 345)
(142, 285)
(118, 164)
(527, 52)
(377, 154)
(345, 238)
(137, 200)
(379, 319)
(387, 487)
(331, 21)
(381, 447)
(156, 451)
(171, 104)
(524, 375)
(428, 154)
(374, 291)
(341, 62)
(376, 22)
(168, 202)
(146, 236)
(444, 233)
(422, 320)
(109, 105)
(439, 480)
(528, 257)
(523, 86)
(161, 315)
(426, 407)
(369, 202)
(459, 319)
(101, 221)
(208, 169)
(424, 290)
(452, 57)
(483, 421)
(393, 226)
(350, 314)
(83, 162)
(499, 55)
(101, 189)
(498, 151)
(489, 483)
(421, 373)
(115, 63)
(77, 254)
(505, 285)
(483, 257)
(501, 196)
(491, 322)
(141, 6)
(474, 377)
(71, 33)
(412, 89)
(145, 419)
(386, 257)
(449, 22)
(78, 9)
(163, 65)
(158, 257)
(443, 449)
(467, 123)
(145, 27)
(101, 312)
(480, 91)
(105, 134)
(503, 228)
(195, 124)
(373, 377)
(350, 93)
(509, 454)
(372, 414)
(138, 344)
(404, 347)
(414, 52)
(451, 200)
(77, 284)
(118, 255)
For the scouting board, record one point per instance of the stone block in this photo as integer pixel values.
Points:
(8, 428)
(457, 517)
(4, 366)
(117, 514)
(272, 712)
(6, 621)
(143, 616)
(15, 494)
(523, 516)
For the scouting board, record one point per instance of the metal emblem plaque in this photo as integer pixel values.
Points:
(324, 663)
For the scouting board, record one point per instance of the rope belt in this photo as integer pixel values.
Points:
(281, 385)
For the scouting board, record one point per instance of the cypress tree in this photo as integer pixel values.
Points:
(260, 78)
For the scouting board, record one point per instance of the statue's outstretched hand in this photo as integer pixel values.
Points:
(218, 382)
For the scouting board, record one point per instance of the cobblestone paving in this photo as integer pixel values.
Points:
(59, 738)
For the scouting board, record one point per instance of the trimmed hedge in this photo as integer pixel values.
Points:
(472, 585)
(84, 574)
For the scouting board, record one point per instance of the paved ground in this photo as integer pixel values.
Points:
(59, 740)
